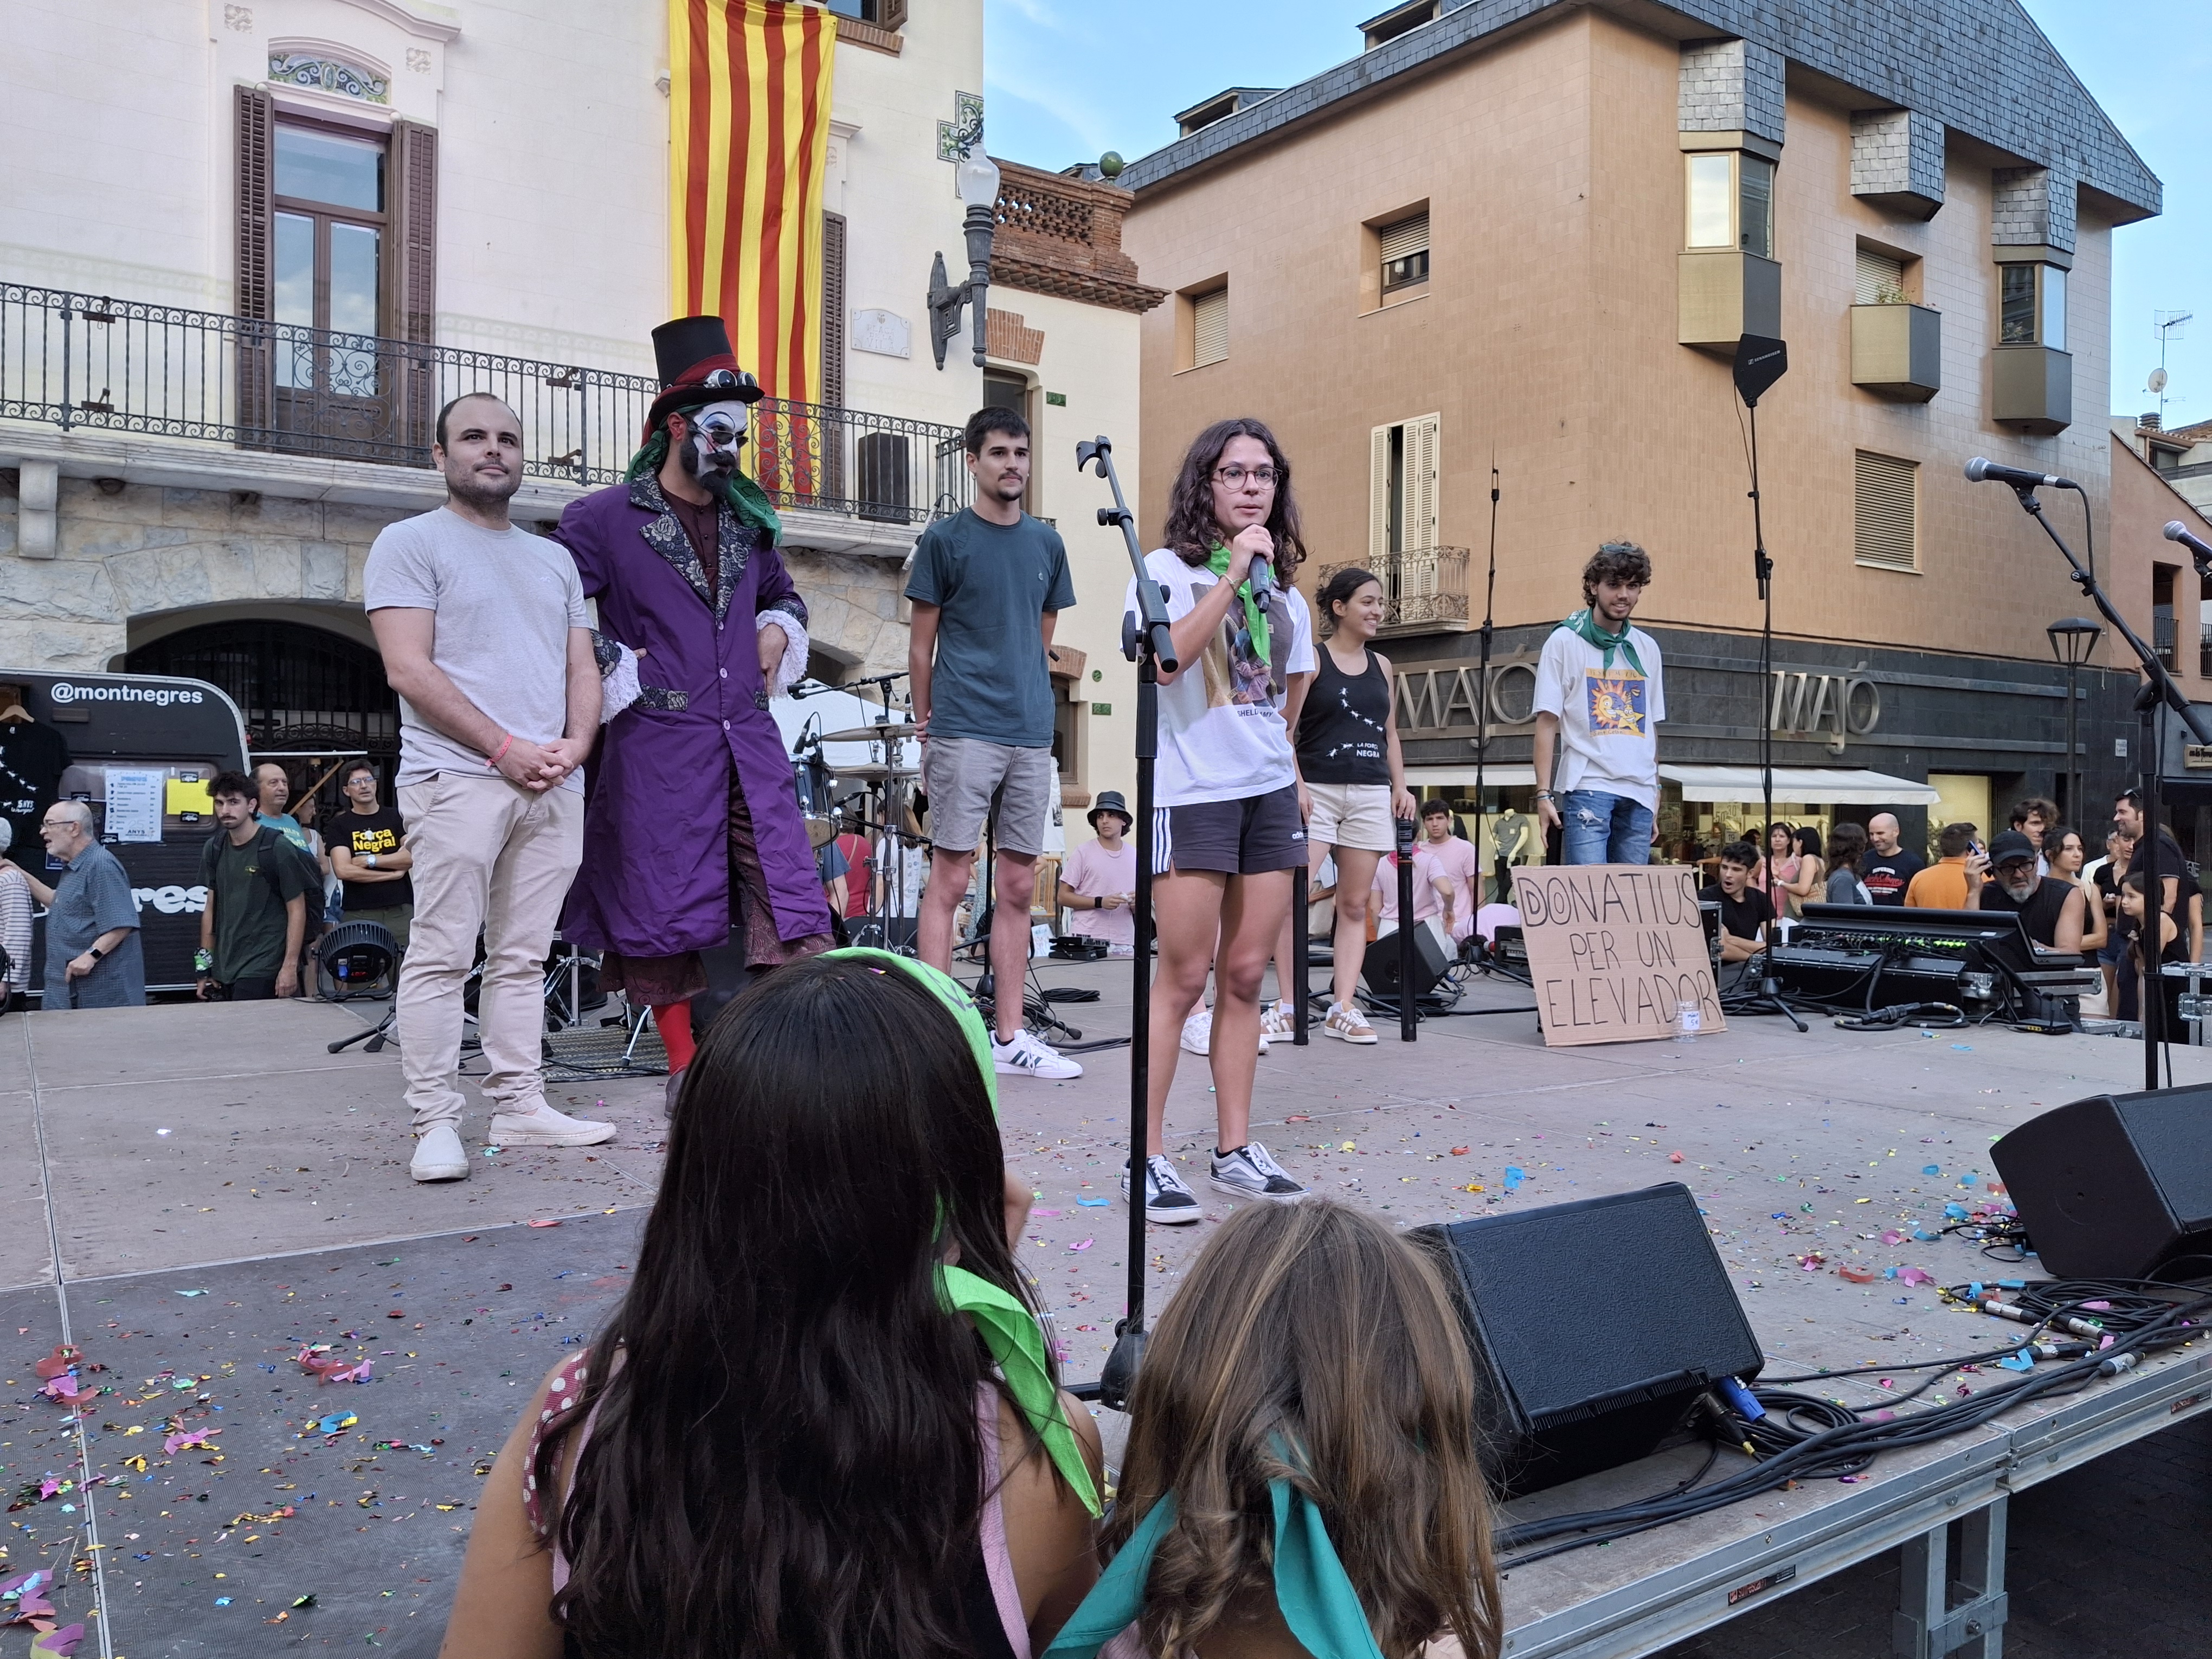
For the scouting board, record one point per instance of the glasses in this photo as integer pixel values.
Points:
(720, 430)
(1234, 476)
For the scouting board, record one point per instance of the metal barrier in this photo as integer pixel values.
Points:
(85, 362)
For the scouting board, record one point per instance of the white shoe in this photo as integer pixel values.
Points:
(547, 1127)
(439, 1155)
(1198, 1033)
(1346, 1022)
(1275, 1021)
(1026, 1056)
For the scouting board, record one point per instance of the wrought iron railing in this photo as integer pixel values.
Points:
(1423, 590)
(82, 362)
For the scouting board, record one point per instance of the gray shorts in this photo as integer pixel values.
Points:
(968, 779)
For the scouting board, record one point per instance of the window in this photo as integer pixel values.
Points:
(2031, 305)
(1209, 327)
(833, 310)
(2204, 629)
(1067, 734)
(1731, 201)
(1880, 279)
(1003, 390)
(327, 253)
(1402, 489)
(1405, 252)
(1399, 19)
(2162, 577)
(1884, 518)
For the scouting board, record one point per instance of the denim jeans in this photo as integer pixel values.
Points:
(1597, 827)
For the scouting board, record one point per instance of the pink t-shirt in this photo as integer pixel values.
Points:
(1426, 903)
(1456, 863)
(1093, 871)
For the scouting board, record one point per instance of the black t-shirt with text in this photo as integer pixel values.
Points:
(1887, 875)
(1743, 916)
(381, 832)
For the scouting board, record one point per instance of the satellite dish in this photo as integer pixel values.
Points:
(2157, 380)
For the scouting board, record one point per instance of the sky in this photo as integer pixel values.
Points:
(1064, 82)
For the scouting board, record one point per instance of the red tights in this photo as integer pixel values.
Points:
(673, 1021)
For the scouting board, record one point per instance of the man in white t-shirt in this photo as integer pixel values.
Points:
(1099, 882)
(1598, 683)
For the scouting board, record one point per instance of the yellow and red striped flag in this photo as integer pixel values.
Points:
(749, 97)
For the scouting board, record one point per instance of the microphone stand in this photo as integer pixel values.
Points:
(1146, 642)
(2159, 691)
(1503, 875)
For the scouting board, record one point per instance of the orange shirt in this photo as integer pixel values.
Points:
(1942, 886)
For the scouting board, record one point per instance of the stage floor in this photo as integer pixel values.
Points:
(220, 1191)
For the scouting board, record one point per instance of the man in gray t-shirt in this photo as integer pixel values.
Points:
(93, 958)
(485, 639)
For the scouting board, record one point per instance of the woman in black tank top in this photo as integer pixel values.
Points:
(1352, 777)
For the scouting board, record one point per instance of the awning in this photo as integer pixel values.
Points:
(1811, 785)
(1449, 777)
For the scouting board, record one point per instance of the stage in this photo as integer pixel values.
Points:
(277, 1212)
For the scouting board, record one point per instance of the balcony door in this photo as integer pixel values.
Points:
(327, 285)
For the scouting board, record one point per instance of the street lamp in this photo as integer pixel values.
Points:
(2072, 639)
(977, 178)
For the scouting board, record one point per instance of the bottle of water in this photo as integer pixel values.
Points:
(1689, 1019)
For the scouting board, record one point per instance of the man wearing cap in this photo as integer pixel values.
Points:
(2052, 911)
(1098, 883)
(692, 827)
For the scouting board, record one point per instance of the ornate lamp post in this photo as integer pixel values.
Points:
(2072, 639)
(977, 176)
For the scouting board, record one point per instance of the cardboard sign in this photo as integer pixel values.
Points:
(1614, 949)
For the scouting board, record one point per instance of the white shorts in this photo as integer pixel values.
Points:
(1354, 815)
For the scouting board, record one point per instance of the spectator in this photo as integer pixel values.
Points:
(2181, 897)
(860, 871)
(2105, 876)
(274, 802)
(1847, 847)
(1889, 866)
(1455, 867)
(2172, 946)
(255, 919)
(855, 1444)
(901, 867)
(322, 891)
(830, 868)
(1951, 883)
(1098, 883)
(370, 856)
(1432, 889)
(94, 957)
(1308, 1376)
(1778, 869)
(15, 921)
(1745, 911)
(2066, 864)
(2035, 817)
(2049, 908)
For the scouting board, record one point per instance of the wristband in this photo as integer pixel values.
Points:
(1099, 903)
(493, 763)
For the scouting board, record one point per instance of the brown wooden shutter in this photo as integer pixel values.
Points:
(257, 192)
(833, 310)
(410, 280)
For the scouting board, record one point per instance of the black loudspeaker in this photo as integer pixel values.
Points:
(2116, 1186)
(1380, 965)
(1595, 1327)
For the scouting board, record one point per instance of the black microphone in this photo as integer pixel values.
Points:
(2177, 531)
(1979, 471)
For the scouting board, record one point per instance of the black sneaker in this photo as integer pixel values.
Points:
(1166, 1199)
(1251, 1172)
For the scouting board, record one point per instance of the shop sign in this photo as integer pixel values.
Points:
(2196, 756)
(1806, 704)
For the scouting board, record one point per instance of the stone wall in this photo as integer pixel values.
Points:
(853, 608)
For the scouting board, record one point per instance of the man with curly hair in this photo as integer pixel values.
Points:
(1598, 685)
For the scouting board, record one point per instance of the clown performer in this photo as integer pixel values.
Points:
(692, 827)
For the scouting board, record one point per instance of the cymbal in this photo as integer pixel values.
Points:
(874, 772)
(820, 832)
(901, 729)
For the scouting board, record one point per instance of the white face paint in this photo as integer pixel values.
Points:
(710, 447)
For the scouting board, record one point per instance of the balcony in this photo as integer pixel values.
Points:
(1062, 235)
(1721, 295)
(1424, 591)
(1897, 351)
(198, 400)
(2032, 387)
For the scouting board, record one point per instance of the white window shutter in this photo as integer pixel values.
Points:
(1378, 499)
(1421, 506)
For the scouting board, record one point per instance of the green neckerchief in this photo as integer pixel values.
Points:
(1009, 1330)
(1255, 614)
(1312, 1589)
(1585, 624)
(751, 504)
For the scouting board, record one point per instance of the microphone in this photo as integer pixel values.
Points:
(1262, 577)
(2177, 531)
(1979, 471)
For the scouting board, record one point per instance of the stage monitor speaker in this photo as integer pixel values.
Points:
(1380, 965)
(1594, 1326)
(2116, 1186)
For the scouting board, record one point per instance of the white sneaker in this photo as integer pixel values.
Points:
(1166, 1198)
(1027, 1056)
(1275, 1021)
(1198, 1033)
(547, 1127)
(439, 1155)
(1346, 1022)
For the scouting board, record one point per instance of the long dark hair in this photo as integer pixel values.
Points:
(1338, 590)
(1193, 531)
(787, 1457)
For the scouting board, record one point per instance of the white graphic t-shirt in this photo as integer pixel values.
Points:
(1607, 715)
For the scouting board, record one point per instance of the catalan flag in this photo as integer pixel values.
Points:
(749, 96)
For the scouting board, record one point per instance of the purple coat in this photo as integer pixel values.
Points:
(655, 879)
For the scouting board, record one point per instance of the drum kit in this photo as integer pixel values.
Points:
(881, 798)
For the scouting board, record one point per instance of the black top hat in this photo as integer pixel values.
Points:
(1110, 800)
(696, 366)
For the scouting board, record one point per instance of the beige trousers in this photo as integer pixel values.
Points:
(492, 856)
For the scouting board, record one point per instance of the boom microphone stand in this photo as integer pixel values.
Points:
(1146, 642)
(2159, 691)
(1504, 876)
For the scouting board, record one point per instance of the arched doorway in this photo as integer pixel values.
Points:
(300, 687)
